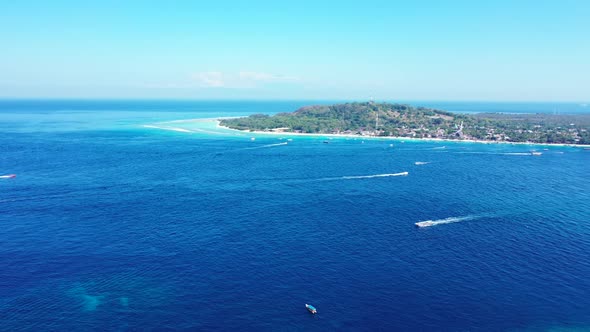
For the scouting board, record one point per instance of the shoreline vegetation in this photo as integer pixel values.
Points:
(405, 122)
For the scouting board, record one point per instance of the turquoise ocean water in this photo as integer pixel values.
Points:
(123, 218)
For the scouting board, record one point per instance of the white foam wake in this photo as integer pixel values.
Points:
(501, 153)
(355, 177)
(266, 146)
(422, 163)
(373, 176)
(450, 220)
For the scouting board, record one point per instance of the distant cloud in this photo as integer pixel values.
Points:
(242, 79)
(264, 77)
(210, 79)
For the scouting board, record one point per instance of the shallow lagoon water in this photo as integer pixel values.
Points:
(110, 225)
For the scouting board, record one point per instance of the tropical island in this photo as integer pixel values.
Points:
(401, 120)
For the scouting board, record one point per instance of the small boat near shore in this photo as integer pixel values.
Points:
(8, 176)
(311, 308)
(536, 153)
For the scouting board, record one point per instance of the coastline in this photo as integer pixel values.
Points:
(395, 138)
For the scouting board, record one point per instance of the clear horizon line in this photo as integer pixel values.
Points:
(4, 98)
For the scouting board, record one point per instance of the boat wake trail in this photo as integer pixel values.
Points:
(355, 177)
(450, 220)
(266, 146)
(422, 163)
(373, 176)
(501, 153)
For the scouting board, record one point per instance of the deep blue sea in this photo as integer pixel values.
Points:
(123, 218)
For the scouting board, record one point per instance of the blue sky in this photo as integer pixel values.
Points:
(411, 50)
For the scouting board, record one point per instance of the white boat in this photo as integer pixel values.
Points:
(427, 223)
(311, 308)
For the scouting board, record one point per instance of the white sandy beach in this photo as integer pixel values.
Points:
(395, 138)
(217, 121)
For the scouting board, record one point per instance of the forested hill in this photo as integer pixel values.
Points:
(385, 119)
